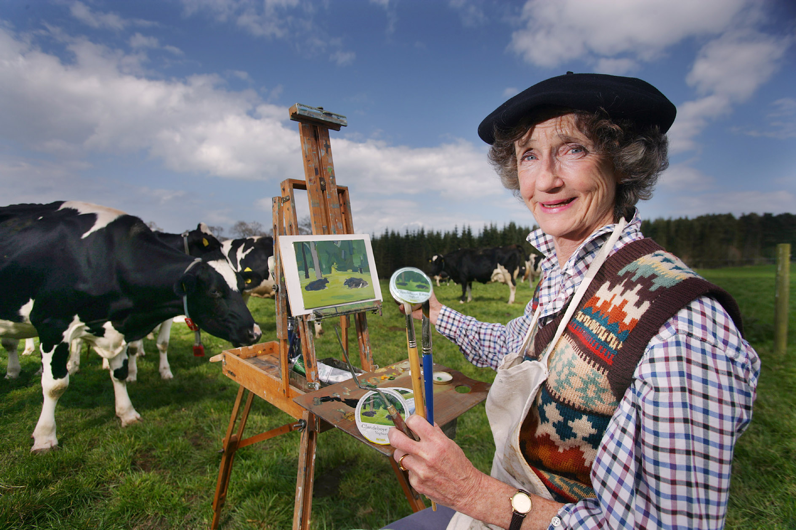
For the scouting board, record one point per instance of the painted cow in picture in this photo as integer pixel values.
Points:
(466, 265)
(73, 270)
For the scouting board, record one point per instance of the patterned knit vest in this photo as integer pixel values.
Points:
(635, 292)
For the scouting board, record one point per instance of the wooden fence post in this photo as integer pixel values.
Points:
(781, 299)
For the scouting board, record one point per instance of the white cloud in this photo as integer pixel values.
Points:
(618, 66)
(692, 118)
(471, 12)
(784, 107)
(684, 177)
(736, 64)
(141, 41)
(93, 106)
(556, 32)
(196, 126)
(98, 20)
(727, 71)
(265, 18)
(83, 13)
(343, 58)
(456, 171)
(781, 124)
(289, 20)
(510, 92)
(618, 36)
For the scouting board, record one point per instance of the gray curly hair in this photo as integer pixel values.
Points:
(638, 156)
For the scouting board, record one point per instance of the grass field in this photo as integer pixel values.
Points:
(161, 473)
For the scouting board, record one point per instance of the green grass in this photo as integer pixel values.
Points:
(161, 473)
(335, 292)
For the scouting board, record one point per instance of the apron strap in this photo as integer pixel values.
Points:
(590, 274)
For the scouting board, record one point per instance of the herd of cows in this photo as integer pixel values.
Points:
(74, 272)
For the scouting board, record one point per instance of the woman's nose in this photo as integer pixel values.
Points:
(548, 177)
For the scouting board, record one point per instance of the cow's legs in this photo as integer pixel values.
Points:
(124, 407)
(470, 292)
(163, 347)
(11, 346)
(54, 382)
(30, 347)
(113, 348)
(513, 288)
(133, 350)
(75, 349)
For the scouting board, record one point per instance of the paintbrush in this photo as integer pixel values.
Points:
(428, 364)
(396, 417)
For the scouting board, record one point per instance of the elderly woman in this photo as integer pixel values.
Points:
(622, 390)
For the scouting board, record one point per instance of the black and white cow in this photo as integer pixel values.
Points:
(249, 258)
(466, 265)
(72, 270)
(197, 243)
(441, 277)
(533, 268)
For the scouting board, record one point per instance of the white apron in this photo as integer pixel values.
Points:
(513, 392)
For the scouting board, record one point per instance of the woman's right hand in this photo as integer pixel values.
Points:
(436, 465)
(434, 307)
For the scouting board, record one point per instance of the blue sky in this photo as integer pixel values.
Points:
(177, 111)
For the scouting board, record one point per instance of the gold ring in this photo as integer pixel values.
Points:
(401, 462)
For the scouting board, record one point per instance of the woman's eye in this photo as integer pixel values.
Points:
(576, 150)
(530, 155)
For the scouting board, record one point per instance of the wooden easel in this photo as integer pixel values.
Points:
(263, 369)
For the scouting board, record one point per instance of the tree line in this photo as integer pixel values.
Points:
(707, 241)
(722, 240)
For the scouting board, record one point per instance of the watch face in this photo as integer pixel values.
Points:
(521, 502)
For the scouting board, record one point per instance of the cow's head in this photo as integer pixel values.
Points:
(437, 264)
(201, 241)
(213, 292)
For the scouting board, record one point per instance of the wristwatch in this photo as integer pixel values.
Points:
(521, 505)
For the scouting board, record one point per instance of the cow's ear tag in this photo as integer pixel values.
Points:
(205, 242)
(247, 269)
(248, 280)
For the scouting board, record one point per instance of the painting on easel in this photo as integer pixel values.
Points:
(328, 271)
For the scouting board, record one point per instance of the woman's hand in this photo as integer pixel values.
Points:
(434, 309)
(437, 467)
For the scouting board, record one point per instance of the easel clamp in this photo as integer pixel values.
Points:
(304, 113)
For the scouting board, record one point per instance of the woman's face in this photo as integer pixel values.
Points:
(568, 187)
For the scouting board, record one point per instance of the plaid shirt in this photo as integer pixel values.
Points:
(691, 398)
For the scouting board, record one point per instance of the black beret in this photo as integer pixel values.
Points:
(621, 97)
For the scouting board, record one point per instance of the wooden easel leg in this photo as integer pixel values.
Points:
(227, 459)
(415, 501)
(306, 473)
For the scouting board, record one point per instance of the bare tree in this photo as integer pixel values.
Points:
(242, 229)
(305, 225)
(217, 231)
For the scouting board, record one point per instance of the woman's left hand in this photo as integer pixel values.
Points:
(437, 467)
